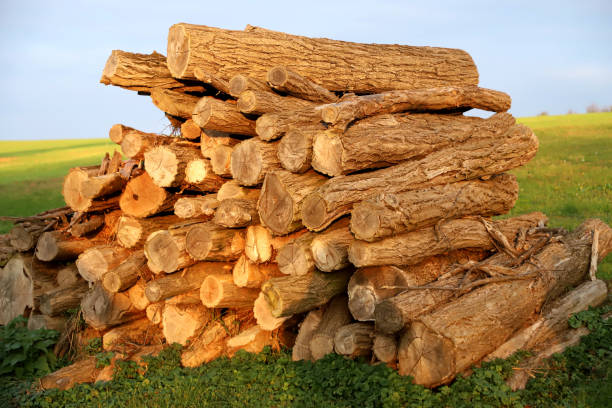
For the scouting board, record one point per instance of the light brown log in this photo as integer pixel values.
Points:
(57, 301)
(196, 206)
(295, 149)
(412, 247)
(97, 261)
(73, 192)
(354, 339)
(117, 131)
(191, 131)
(180, 322)
(241, 83)
(259, 102)
(263, 314)
(23, 239)
(200, 175)
(391, 214)
(458, 334)
(209, 139)
(247, 274)
(274, 125)
(127, 273)
(361, 68)
(42, 321)
(166, 164)
(342, 113)
(232, 189)
(16, 289)
(295, 258)
(221, 160)
(465, 161)
(384, 348)
(142, 198)
(252, 159)
(210, 242)
(261, 246)
(282, 197)
(83, 371)
(301, 348)
(251, 340)
(336, 315)
(56, 246)
(215, 114)
(236, 213)
(136, 143)
(219, 291)
(137, 294)
(212, 80)
(166, 249)
(190, 278)
(102, 309)
(133, 232)
(154, 312)
(177, 104)
(131, 336)
(67, 275)
(290, 295)
(88, 226)
(191, 297)
(330, 248)
(384, 140)
(283, 79)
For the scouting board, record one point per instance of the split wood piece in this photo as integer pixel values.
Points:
(143, 198)
(221, 160)
(137, 294)
(251, 340)
(57, 301)
(295, 258)
(261, 246)
(359, 68)
(117, 131)
(23, 239)
(197, 206)
(373, 284)
(355, 339)
(247, 274)
(102, 186)
(384, 348)
(97, 261)
(252, 159)
(177, 104)
(336, 315)
(385, 140)
(219, 291)
(127, 273)
(57, 246)
(460, 333)
(263, 314)
(42, 321)
(295, 149)
(212, 80)
(166, 164)
(341, 114)
(166, 249)
(274, 125)
(289, 295)
(282, 196)
(210, 242)
(16, 289)
(209, 139)
(232, 189)
(141, 73)
(73, 192)
(391, 214)
(215, 114)
(154, 312)
(191, 131)
(330, 248)
(200, 175)
(308, 327)
(475, 158)
(236, 213)
(102, 309)
(133, 232)
(132, 336)
(190, 278)
(94, 223)
(83, 371)
(242, 83)
(283, 79)
(182, 321)
(68, 275)
(259, 102)
(136, 143)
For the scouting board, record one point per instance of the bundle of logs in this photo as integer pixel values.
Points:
(316, 194)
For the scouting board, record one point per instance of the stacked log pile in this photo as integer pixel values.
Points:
(316, 194)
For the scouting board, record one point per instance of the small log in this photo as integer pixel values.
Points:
(295, 150)
(83, 371)
(355, 339)
(247, 274)
(137, 294)
(154, 312)
(56, 246)
(127, 273)
(94, 223)
(97, 261)
(197, 206)
(57, 301)
(282, 197)
(261, 246)
(289, 295)
(210, 343)
(117, 131)
(23, 239)
(214, 114)
(251, 340)
(166, 164)
(221, 160)
(232, 189)
(260, 102)
(132, 336)
(301, 348)
(177, 104)
(236, 213)
(142, 198)
(384, 348)
(219, 291)
(336, 315)
(68, 275)
(209, 242)
(102, 309)
(72, 191)
(295, 258)
(180, 322)
(16, 289)
(242, 83)
(136, 143)
(274, 125)
(263, 314)
(200, 175)
(42, 321)
(330, 248)
(252, 159)
(133, 232)
(191, 131)
(285, 80)
(209, 139)
(166, 249)
(212, 80)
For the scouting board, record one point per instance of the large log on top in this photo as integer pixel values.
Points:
(359, 68)
(474, 158)
(458, 334)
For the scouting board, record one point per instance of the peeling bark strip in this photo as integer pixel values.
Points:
(476, 157)
(360, 68)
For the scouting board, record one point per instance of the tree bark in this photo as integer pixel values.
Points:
(181, 322)
(475, 158)
(23, 239)
(177, 104)
(214, 81)
(57, 301)
(166, 249)
(259, 102)
(359, 68)
(210, 242)
(285, 80)
(57, 246)
(200, 175)
(215, 114)
(261, 246)
(143, 198)
(263, 314)
(384, 348)
(219, 291)
(16, 289)
(117, 132)
(295, 150)
(133, 232)
(236, 213)
(248, 274)
(232, 189)
(336, 315)
(274, 125)
(132, 336)
(102, 309)
(137, 294)
(97, 261)
(251, 340)
(83, 371)
(94, 223)
(242, 83)
(136, 143)
(330, 248)
(68, 275)
(295, 258)
(166, 164)
(127, 273)
(221, 160)
(252, 159)
(72, 191)
(308, 327)
(197, 206)
(355, 339)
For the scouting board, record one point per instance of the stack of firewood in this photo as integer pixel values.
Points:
(319, 194)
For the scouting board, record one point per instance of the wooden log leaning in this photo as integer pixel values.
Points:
(166, 164)
(210, 242)
(274, 125)
(57, 246)
(215, 114)
(355, 339)
(132, 232)
(236, 213)
(197, 206)
(97, 261)
(242, 83)
(252, 159)
(259, 102)
(335, 316)
(219, 291)
(247, 274)
(212, 80)
(102, 309)
(199, 175)
(283, 79)
(261, 246)
(143, 198)
(295, 149)
(72, 191)
(330, 248)
(177, 104)
(127, 273)
(308, 327)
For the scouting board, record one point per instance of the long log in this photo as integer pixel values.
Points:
(360, 68)
(214, 114)
(211, 79)
(261, 246)
(177, 104)
(180, 322)
(72, 191)
(97, 261)
(295, 149)
(219, 291)
(117, 131)
(166, 249)
(102, 309)
(236, 213)
(283, 79)
(308, 327)
(166, 164)
(263, 314)
(247, 274)
(221, 160)
(355, 339)
(197, 206)
(16, 289)
(143, 198)
(259, 102)
(233, 189)
(242, 83)
(132, 336)
(274, 125)
(200, 175)
(133, 232)
(57, 301)
(252, 159)
(330, 248)
(335, 316)
(57, 246)
(127, 273)
(210, 242)
(475, 158)
(136, 143)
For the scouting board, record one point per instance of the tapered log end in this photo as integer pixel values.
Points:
(47, 249)
(162, 252)
(178, 50)
(198, 242)
(314, 212)
(277, 76)
(202, 112)
(364, 222)
(362, 303)
(275, 205)
(388, 318)
(246, 163)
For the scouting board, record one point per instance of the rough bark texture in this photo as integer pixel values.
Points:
(354, 339)
(263, 314)
(94, 223)
(295, 149)
(252, 160)
(384, 348)
(197, 206)
(295, 258)
(308, 327)
(180, 322)
(285, 80)
(248, 274)
(133, 232)
(177, 104)
(232, 189)
(117, 131)
(102, 309)
(97, 261)
(215, 114)
(360, 68)
(136, 143)
(131, 336)
(474, 158)
(101, 186)
(335, 316)
(200, 175)
(330, 248)
(72, 191)
(166, 164)
(221, 160)
(213, 80)
(236, 213)
(251, 340)
(210, 242)
(261, 246)
(83, 371)
(242, 83)
(272, 126)
(142, 198)
(59, 300)
(127, 273)
(219, 291)
(166, 249)
(260, 102)
(57, 246)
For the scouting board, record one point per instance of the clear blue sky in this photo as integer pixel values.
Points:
(548, 55)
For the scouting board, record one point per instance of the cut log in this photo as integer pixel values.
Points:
(359, 68)
(295, 149)
(177, 104)
(83, 371)
(219, 291)
(282, 196)
(191, 297)
(166, 164)
(236, 213)
(330, 248)
(117, 131)
(210, 242)
(354, 339)
(137, 295)
(242, 83)
(94, 223)
(209, 139)
(232, 189)
(274, 125)
(180, 322)
(23, 239)
(191, 131)
(342, 113)
(200, 175)
(59, 300)
(476, 158)
(259, 102)
(196, 207)
(398, 138)
(215, 114)
(56, 246)
(458, 334)
(102, 309)
(166, 249)
(285, 80)
(251, 340)
(263, 314)
(97, 261)
(154, 312)
(142, 198)
(42, 321)
(336, 315)
(252, 159)
(384, 348)
(214, 81)
(133, 232)
(308, 327)
(190, 278)
(289, 295)
(221, 160)
(132, 336)
(247, 274)
(16, 289)
(73, 193)
(68, 275)
(412, 247)
(136, 143)
(295, 258)
(391, 214)
(261, 246)
(127, 273)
